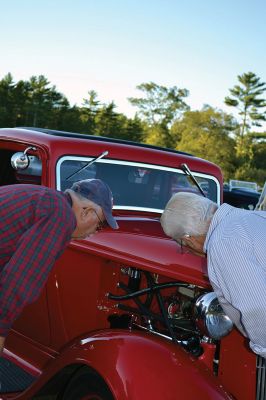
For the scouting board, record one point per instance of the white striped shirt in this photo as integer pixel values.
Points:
(236, 254)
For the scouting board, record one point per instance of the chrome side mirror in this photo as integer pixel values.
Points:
(20, 160)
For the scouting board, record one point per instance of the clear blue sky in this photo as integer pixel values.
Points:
(111, 46)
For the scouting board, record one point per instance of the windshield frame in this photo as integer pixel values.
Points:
(134, 164)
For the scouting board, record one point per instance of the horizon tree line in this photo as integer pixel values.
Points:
(162, 118)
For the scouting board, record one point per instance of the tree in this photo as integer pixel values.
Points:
(6, 100)
(161, 105)
(88, 111)
(206, 134)
(41, 102)
(107, 121)
(252, 167)
(159, 135)
(112, 124)
(247, 100)
(68, 119)
(30, 103)
(129, 129)
(20, 97)
(37, 103)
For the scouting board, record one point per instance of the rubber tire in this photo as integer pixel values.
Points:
(86, 385)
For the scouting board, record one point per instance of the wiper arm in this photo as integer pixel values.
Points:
(88, 164)
(187, 171)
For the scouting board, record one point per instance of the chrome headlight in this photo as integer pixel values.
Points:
(210, 317)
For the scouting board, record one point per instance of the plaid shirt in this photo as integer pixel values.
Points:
(36, 224)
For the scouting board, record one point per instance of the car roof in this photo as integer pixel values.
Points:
(86, 136)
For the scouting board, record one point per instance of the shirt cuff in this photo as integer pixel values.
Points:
(261, 351)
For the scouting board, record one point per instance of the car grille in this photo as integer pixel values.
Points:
(261, 378)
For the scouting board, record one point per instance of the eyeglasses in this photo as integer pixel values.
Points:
(101, 224)
(182, 243)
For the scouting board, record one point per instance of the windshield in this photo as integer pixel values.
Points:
(135, 185)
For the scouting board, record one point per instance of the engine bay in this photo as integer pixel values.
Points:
(186, 314)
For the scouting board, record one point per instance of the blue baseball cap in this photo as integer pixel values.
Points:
(99, 192)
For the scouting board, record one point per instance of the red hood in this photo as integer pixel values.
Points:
(140, 242)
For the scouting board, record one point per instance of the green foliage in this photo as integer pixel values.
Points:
(252, 162)
(88, 111)
(42, 102)
(206, 134)
(102, 120)
(161, 105)
(246, 173)
(163, 119)
(111, 124)
(37, 103)
(130, 129)
(6, 100)
(248, 98)
(158, 135)
(29, 103)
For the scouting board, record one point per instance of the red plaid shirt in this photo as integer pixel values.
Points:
(36, 224)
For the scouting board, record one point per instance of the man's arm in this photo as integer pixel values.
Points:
(242, 282)
(26, 273)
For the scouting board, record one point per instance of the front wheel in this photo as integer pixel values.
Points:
(87, 385)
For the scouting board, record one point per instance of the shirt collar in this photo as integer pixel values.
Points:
(221, 212)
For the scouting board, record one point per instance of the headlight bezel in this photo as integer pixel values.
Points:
(210, 318)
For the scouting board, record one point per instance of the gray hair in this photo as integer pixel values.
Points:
(81, 198)
(187, 213)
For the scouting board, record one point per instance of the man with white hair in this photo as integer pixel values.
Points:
(233, 240)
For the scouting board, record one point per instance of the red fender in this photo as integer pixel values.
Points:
(140, 366)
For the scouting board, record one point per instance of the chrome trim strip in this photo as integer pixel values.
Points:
(134, 164)
(261, 378)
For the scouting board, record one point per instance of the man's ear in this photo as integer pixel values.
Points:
(86, 212)
(188, 239)
(195, 243)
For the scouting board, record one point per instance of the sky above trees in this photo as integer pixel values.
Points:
(111, 46)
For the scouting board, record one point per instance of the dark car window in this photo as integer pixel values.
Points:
(134, 184)
(241, 198)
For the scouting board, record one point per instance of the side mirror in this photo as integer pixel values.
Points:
(20, 160)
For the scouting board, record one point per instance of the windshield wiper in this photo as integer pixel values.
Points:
(187, 171)
(105, 153)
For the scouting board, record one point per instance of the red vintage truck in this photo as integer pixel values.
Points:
(126, 314)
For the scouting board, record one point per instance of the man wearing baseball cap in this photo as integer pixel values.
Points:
(36, 225)
(92, 200)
